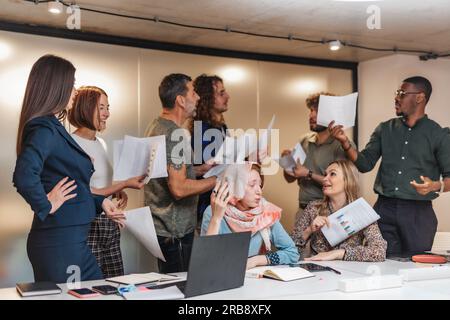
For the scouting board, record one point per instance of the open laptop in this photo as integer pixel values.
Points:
(217, 263)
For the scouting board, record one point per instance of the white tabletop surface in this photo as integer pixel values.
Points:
(323, 286)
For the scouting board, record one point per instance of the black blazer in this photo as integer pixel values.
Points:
(48, 155)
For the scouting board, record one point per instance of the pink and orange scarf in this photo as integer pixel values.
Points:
(258, 219)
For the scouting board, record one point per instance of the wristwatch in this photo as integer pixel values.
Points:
(309, 176)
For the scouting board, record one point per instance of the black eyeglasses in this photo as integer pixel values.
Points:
(401, 93)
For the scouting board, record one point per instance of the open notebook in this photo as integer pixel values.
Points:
(282, 273)
(141, 278)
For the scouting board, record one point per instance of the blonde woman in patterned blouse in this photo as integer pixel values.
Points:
(340, 188)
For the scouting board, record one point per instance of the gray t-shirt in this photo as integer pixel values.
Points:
(172, 218)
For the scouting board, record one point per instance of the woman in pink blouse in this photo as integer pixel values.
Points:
(340, 188)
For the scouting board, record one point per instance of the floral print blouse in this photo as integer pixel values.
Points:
(366, 245)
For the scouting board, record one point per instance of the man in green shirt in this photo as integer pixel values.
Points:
(173, 200)
(412, 148)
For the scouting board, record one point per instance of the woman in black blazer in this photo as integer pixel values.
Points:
(52, 174)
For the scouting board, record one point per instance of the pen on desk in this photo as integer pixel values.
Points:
(334, 270)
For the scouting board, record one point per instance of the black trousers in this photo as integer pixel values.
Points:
(177, 253)
(408, 226)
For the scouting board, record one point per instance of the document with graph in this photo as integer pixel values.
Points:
(349, 220)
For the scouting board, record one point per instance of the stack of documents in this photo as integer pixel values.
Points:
(138, 156)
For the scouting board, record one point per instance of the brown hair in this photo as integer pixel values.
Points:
(351, 184)
(87, 101)
(48, 91)
(204, 87)
(313, 100)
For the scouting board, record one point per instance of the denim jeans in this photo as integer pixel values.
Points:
(177, 252)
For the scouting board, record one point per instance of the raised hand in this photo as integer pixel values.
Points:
(337, 132)
(135, 182)
(220, 197)
(300, 171)
(61, 193)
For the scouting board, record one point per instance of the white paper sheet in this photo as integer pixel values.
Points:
(215, 171)
(140, 223)
(132, 157)
(289, 161)
(236, 149)
(226, 153)
(349, 220)
(342, 110)
(169, 293)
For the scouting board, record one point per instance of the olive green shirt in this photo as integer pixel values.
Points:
(318, 158)
(406, 154)
(172, 218)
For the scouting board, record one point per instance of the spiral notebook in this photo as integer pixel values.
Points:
(141, 278)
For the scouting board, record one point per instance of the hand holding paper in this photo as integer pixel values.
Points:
(341, 110)
(140, 156)
(337, 132)
(289, 161)
(349, 220)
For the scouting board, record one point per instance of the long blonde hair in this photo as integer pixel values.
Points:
(351, 184)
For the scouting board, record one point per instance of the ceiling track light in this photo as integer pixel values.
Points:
(55, 7)
(335, 45)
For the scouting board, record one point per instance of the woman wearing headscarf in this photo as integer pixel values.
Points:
(237, 205)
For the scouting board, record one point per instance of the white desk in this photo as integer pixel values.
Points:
(269, 289)
(404, 293)
(388, 267)
(323, 286)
